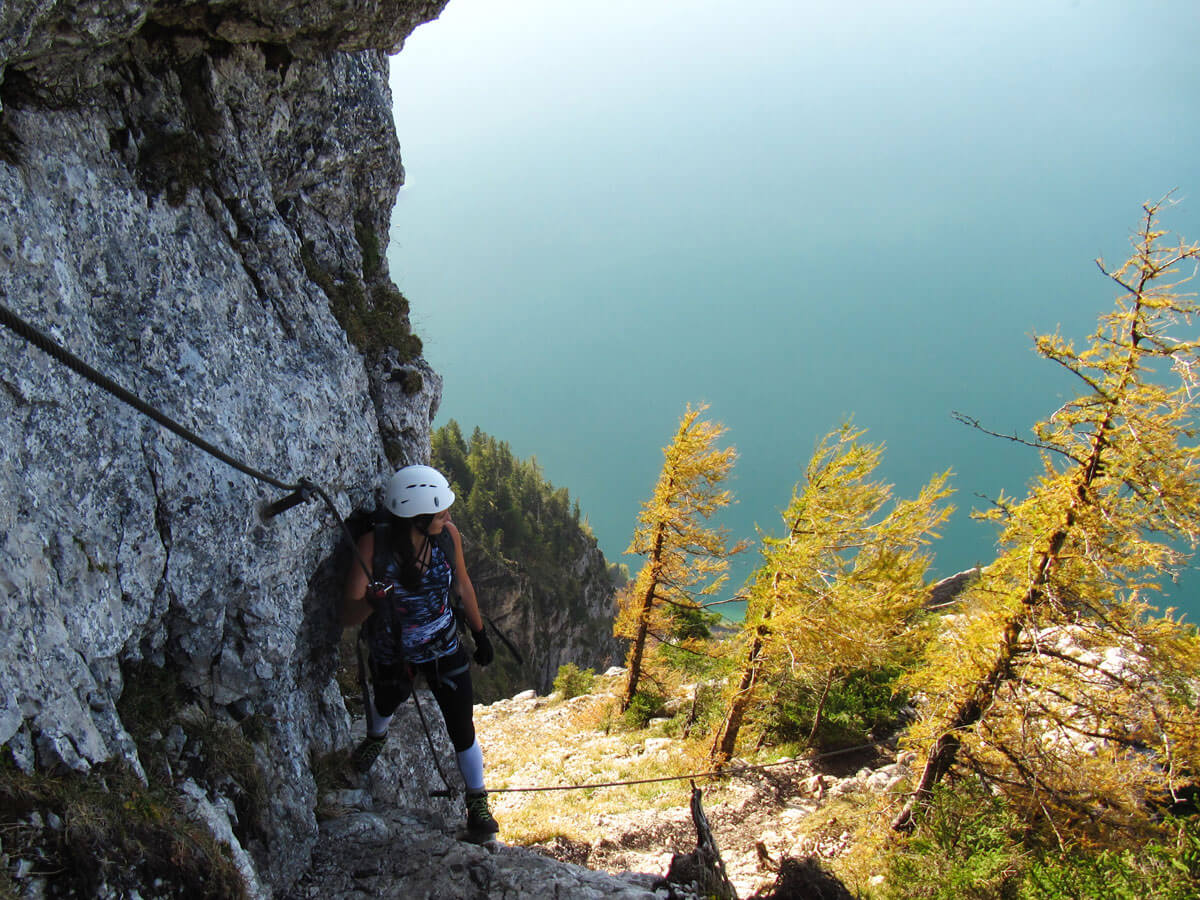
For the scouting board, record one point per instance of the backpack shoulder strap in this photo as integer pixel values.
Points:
(383, 545)
(446, 545)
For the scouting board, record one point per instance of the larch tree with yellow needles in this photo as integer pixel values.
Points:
(1057, 682)
(686, 557)
(841, 590)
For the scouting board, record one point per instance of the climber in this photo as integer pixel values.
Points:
(410, 622)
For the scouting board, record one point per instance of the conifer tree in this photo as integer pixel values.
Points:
(449, 450)
(1058, 683)
(839, 592)
(686, 559)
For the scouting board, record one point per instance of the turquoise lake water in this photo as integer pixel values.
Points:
(793, 213)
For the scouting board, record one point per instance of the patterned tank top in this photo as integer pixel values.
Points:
(422, 620)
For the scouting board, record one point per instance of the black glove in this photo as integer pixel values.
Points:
(484, 653)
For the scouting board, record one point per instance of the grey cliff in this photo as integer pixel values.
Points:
(570, 622)
(194, 197)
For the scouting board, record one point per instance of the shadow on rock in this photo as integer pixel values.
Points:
(804, 879)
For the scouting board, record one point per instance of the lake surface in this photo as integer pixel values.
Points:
(793, 213)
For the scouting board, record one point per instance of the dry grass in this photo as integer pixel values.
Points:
(580, 741)
(867, 820)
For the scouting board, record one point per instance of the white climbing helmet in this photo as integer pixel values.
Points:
(417, 491)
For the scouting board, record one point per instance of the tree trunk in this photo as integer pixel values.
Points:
(816, 725)
(638, 650)
(726, 740)
(944, 751)
(635, 666)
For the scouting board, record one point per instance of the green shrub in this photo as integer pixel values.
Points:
(971, 844)
(1165, 870)
(967, 846)
(703, 714)
(571, 681)
(857, 709)
(644, 707)
(374, 316)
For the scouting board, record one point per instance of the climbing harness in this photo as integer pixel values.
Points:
(381, 591)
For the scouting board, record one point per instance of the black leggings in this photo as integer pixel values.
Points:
(449, 678)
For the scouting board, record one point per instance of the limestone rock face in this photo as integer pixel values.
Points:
(400, 855)
(75, 44)
(194, 198)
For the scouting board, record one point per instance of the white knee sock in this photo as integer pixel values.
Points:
(377, 725)
(470, 764)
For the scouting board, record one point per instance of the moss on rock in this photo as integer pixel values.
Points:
(374, 316)
(107, 831)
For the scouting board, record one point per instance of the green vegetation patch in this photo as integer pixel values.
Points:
(644, 706)
(372, 253)
(1167, 869)
(973, 844)
(861, 707)
(572, 681)
(374, 316)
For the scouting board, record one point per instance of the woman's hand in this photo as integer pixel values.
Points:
(484, 652)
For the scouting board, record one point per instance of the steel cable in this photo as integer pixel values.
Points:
(302, 490)
(48, 345)
(728, 772)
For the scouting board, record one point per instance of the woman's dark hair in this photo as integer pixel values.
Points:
(410, 572)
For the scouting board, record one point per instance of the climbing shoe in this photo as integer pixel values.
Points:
(479, 817)
(364, 754)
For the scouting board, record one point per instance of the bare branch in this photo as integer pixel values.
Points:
(1037, 445)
